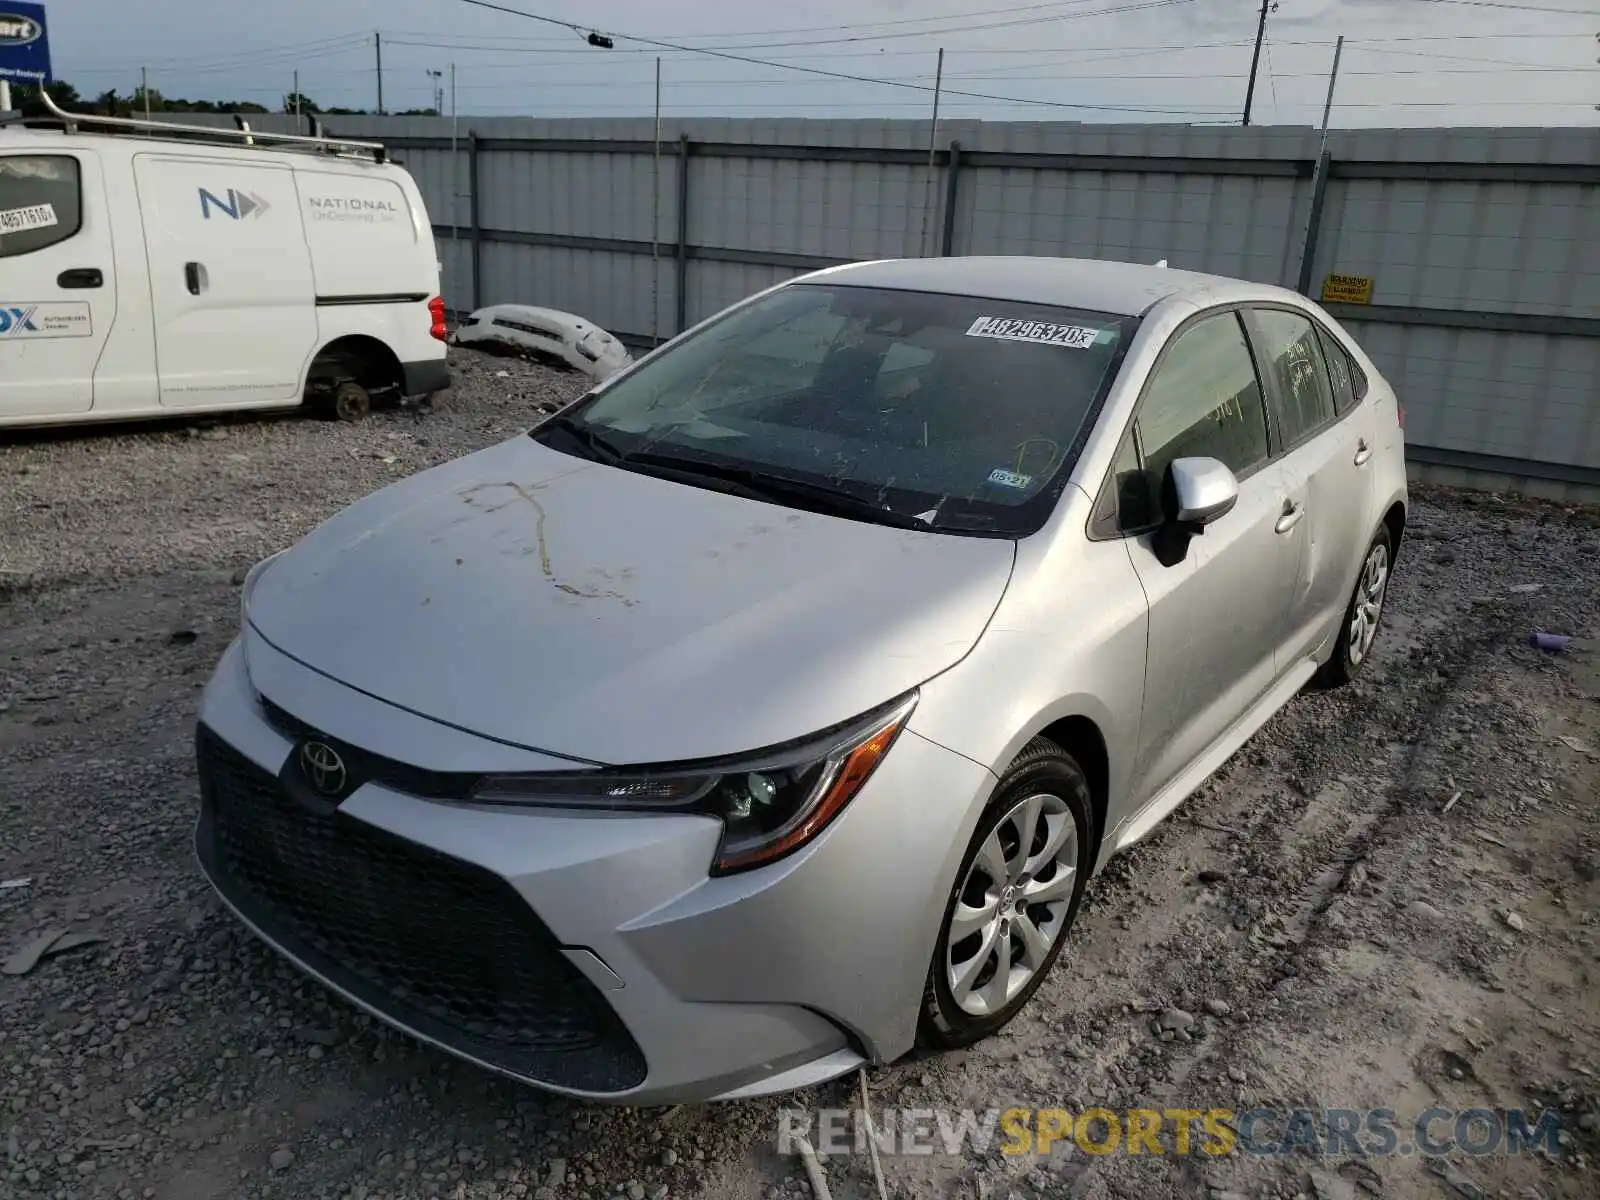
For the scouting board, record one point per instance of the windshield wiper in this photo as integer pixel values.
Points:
(593, 444)
(777, 489)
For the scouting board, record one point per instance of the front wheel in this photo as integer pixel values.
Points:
(1015, 898)
(1361, 616)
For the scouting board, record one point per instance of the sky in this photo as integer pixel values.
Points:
(1404, 63)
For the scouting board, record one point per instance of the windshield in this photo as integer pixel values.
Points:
(963, 413)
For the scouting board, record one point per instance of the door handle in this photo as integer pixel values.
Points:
(1363, 452)
(1292, 513)
(195, 276)
(81, 277)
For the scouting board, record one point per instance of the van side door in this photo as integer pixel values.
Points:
(58, 281)
(230, 279)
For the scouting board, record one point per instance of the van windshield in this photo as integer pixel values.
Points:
(958, 412)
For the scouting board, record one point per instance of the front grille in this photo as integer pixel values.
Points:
(446, 948)
(403, 777)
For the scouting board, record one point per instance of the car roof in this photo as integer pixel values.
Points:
(1121, 288)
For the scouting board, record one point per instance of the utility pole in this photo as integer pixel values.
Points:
(144, 90)
(933, 144)
(1255, 59)
(297, 96)
(377, 46)
(655, 221)
(1333, 78)
(455, 166)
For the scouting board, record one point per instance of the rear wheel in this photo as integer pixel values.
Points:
(1016, 896)
(1359, 631)
(351, 401)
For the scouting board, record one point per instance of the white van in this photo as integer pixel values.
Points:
(161, 269)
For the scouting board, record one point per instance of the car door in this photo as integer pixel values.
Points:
(230, 279)
(58, 283)
(1327, 442)
(1214, 616)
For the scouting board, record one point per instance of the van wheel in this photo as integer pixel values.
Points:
(351, 401)
(1016, 895)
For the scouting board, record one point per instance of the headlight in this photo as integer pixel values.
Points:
(770, 804)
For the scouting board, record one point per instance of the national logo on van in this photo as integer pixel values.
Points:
(238, 205)
(365, 209)
(17, 30)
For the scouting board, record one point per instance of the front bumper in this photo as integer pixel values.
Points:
(584, 953)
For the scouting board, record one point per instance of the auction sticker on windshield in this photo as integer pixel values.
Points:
(1001, 477)
(35, 216)
(1046, 333)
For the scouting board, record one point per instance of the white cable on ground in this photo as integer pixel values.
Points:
(872, 1136)
(819, 1182)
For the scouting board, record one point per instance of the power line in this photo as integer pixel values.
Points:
(248, 57)
(859, 31)
(578, 53)
(988, 12)
(834, 41)
(228, 68)
(1501, 62)
(818, 71)
(781, 81)
(1566, 12)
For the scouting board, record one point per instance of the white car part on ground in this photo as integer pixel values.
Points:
(546, 334)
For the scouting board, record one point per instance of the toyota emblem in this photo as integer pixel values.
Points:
(323, 768)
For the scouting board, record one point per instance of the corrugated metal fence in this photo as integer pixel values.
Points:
(1482, 247)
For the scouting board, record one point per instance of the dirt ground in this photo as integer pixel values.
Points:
(1322, 931)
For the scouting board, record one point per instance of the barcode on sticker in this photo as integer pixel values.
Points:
(35, 216)
(1046, 333)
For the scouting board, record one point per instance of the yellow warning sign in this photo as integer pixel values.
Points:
(1347, 289)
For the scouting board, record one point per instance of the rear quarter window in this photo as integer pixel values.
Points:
(40, 202)
(1349, 384)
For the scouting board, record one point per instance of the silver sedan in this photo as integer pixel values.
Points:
(766, 711)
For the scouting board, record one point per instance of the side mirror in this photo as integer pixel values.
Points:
(1194, 493)
(1199, 491)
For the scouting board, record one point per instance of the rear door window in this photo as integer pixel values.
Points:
(1292, 356)
(40, 202)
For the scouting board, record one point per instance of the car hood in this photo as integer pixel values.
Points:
(587, 611)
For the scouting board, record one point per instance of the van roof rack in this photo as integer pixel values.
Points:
(240, 134)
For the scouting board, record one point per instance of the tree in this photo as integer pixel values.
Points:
(300, 102)
(26, 98)
(110, 104)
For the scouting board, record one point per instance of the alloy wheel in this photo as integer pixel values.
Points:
(1368, 606)
(1013, 904)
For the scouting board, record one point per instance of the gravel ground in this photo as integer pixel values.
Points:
(1314, 928)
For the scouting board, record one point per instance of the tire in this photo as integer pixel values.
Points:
(351, 402)
(1043, 781)
(1358, 630)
